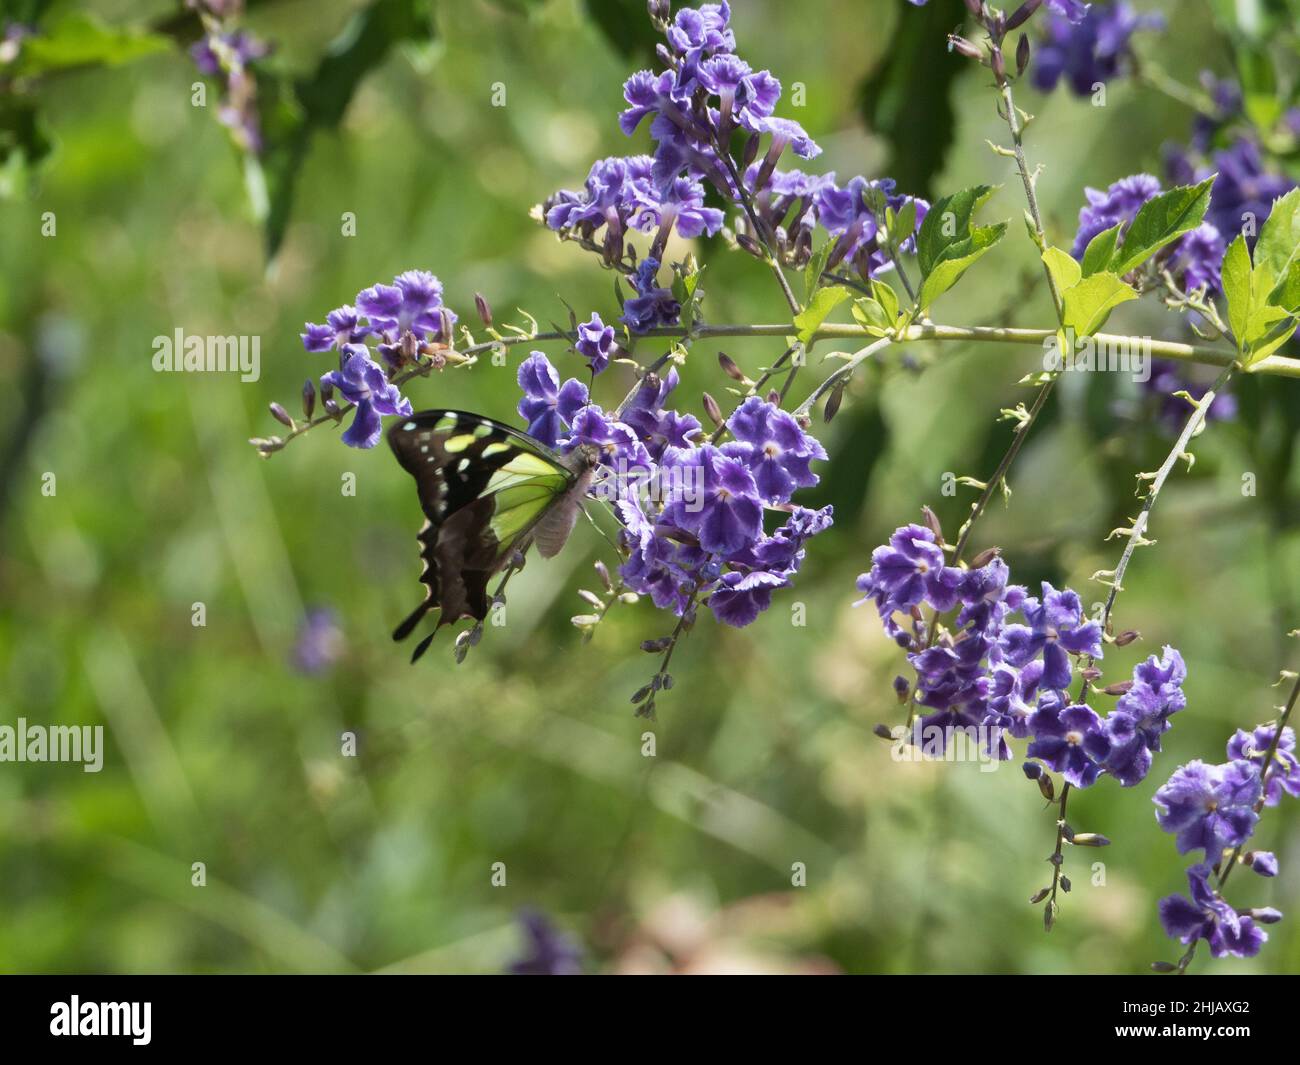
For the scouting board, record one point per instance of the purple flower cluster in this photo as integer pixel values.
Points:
(691, 511)
(1212, 808)
(230, 55)
(1196, 256)
(401, 320)
(1242, 196)
(1088, 48)
(1011, 678)
(706, 95)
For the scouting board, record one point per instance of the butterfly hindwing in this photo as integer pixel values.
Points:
(483, 487)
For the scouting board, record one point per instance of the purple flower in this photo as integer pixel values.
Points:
(413, 302)
(364, 383)
(786, 132)
(681, 204)
(705, 30)
(739, 598)
(1262, 862)
(1209, 806)
(548, 406)
(549, 951)
(1283, 772)
(908, 571)
(744, 96)
(1169, 378)
(1197, 255)
(1089, 49)
(776, 450)
(595, 343)
(619, 447)
(320, 642)
(1074, 10)
(1206, 915)
(659, 428)
(652, 306)
(727, 516)
(847, 216)
(1142, 715)
(1118, 203)
(1070, 740)
(657, 565)
(342, 327)
(1056, 626)
(1244, 191)
(745, 592)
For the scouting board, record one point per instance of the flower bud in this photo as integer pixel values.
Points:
(712, 409)
(1022, 13)
(1065, 884)
(963, 47)
(1022, 54)
(1049, 915)
(932, 523)
(602, 571)
(1127, 637)
(729, 366)
(1266, 915)
(774, 397)
(592, 598)
(751, 151)
(484, 309)
(1090, 839)
(308, 399)
(1046, 788)
(656, 646)
(985, 557)
(883, 731)
(901, 688)
(659, 11)
(1039, 895)
(444, 325)
(1118, 688)
(833, 402)
(999, 66)
(281, 415)
(1163, 967)
(750, 245)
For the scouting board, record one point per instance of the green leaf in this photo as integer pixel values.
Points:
(887, 298)
(1100, 250)
(1279, 241)
(956, 259)
(809, 320)
(1161, 220)
(912, 89)
(948, 222)
(869, 314)
(812, 273)
(1088, 304)
(1267, 345)
(1238, 289)
(903, 224)
(1286, 293)
(1063, 268)
(80, 40)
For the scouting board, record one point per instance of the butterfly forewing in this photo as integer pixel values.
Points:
(482, 486)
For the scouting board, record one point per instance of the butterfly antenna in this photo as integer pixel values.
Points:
(596, 525)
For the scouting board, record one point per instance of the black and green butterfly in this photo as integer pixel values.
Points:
(487, 492)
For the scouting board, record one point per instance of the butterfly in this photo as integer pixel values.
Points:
(487, 491)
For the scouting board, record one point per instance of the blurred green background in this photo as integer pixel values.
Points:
(219, 751)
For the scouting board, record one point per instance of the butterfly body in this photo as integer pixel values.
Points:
(487, 492)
